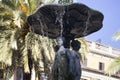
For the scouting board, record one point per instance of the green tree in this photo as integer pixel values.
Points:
(115, 65)
(15, 36)
(20, 49)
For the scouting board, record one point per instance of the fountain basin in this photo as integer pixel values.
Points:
(78, 20)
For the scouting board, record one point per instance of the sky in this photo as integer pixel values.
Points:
(111, 22)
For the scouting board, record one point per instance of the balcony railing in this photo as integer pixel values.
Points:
(103, 48)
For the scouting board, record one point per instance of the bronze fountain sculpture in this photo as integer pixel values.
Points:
(65, 23)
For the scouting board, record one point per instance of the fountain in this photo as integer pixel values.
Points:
(65, 23)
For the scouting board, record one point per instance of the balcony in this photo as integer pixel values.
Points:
(103, 49)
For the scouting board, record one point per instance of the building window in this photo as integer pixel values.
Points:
(101, 66)
(118, 73)
(83, 79)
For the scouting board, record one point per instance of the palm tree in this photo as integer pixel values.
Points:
(20, 49)
(13, 33)
(115, 65)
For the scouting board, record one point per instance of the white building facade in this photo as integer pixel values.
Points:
(98, 60)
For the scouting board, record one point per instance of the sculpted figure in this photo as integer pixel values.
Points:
(67, 63)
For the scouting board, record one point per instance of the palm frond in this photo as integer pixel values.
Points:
(6, 44)
(24, 8)
(25, 59)
(40, 44)
(116, 36)
(42, 49)
(48, 1)
(5, 17)
(9, 3)
(33, 5)
(17, 14)
(2, 9)
(114, 67)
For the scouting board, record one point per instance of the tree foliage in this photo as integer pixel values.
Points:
(116, 36)
(21, 47)
(115, 65)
